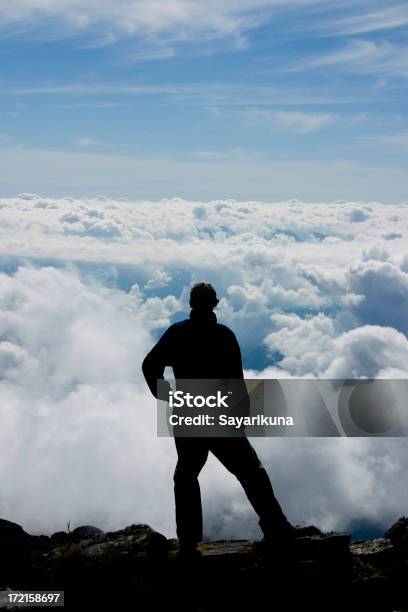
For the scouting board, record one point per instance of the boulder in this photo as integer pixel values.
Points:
(398, 534)
(85, 531)
(60, 537)
(306, 530)
(98, 555)
(18, 549)
(377, 553)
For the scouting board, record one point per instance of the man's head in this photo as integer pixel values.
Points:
(203, 296)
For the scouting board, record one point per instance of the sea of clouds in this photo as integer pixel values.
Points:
(87, 286)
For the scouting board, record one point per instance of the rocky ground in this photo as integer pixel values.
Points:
(139, 567)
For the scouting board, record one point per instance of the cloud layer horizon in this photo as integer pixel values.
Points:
(86, 287)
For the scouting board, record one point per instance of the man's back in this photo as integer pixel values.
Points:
(196, 348)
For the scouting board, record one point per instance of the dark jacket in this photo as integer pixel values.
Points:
(196, 348)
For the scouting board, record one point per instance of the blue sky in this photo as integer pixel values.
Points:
(260, 99)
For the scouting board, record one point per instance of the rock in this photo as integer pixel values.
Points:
(308, 530)
(123, 566)
(60, 537)
(7, 528)
(379, 553)
(372, 548)
(79, 533)
(380, 572)
(84, 531)
(17, 551)
(98, 555)
(137, 566)
(398, 534)
(327, 545)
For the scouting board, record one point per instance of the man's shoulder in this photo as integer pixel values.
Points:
(178, 325)
(224, 329)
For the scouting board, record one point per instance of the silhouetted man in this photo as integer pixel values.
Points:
(201, 348)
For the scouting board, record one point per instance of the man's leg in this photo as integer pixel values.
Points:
(240, 458)
(192, 455)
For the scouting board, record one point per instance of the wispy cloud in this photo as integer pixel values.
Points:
(85, 142)
(382, 59)
(293, 121)
(97, 89)
(106, 21)
(150, 54)
(219, 154)
(94, 104)
(163, 24)
(6, 140)
(214, 95)
(361, 52)
(385, 18)
(395, 140)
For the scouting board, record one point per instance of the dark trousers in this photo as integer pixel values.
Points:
(240, 458)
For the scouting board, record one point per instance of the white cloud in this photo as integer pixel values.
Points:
(394, 140)
(376, 251)
(88, 284)
(306, 344)
(214, 95)
(293, 121)
(361, 52)
(75, 417)
(106, 21)
(357, 214)
(163, 23)
(85, 141)
(372, 20)
(7, 141)
(381, 288)
(150, 55)
(380, 59)
(369, 351)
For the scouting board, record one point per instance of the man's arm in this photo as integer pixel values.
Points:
(236, 358)
(243, 403)
(156, 360)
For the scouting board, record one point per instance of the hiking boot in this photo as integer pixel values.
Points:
(188, 553)
(285, 532)
(280, 540)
